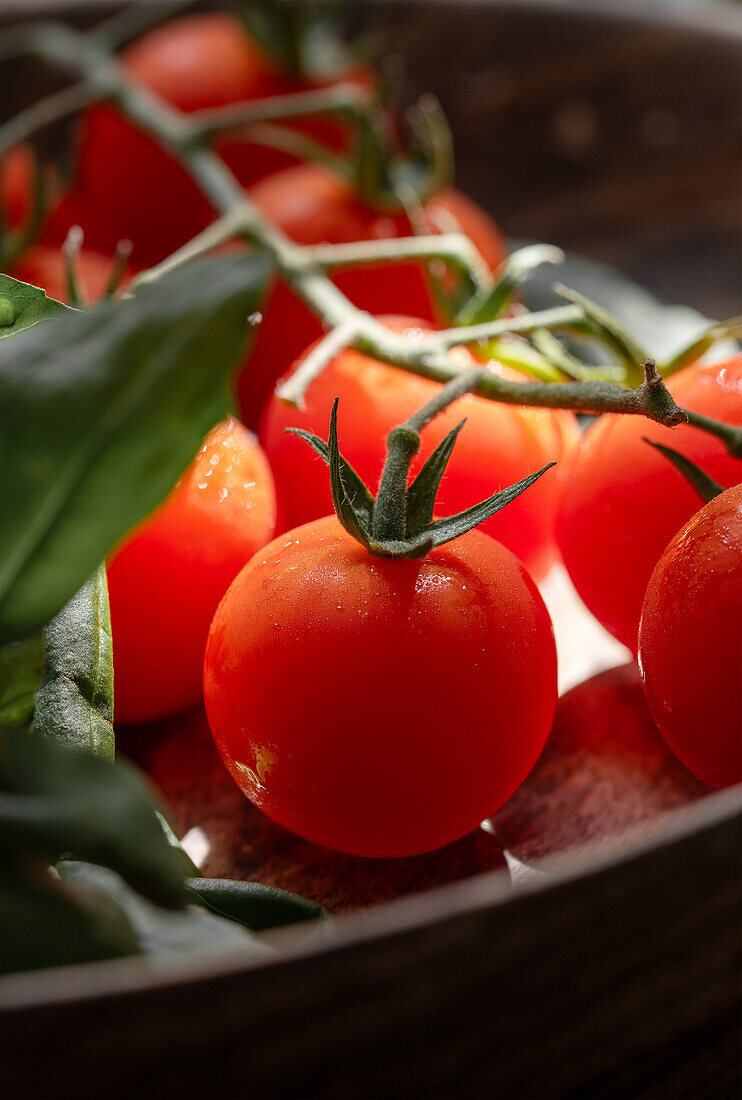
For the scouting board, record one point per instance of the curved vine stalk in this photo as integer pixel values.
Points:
(305, 268)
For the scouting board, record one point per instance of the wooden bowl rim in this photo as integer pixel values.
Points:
(118, 978)
(715, 20)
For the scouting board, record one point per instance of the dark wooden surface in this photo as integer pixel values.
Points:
(605, 770)
(620, 138)
(616, 979)
(617, 974)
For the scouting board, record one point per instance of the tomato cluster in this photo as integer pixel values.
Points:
(313, 207)
(622, 502)
(369, 699)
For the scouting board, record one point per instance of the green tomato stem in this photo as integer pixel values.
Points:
(344, 100)
(44, 112)
(722, 330)
(462, 383)
(557, 317)
(85, 55)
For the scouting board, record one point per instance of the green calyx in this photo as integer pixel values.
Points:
(697, 478)
(387, 177)
(398, 522)
(303, 37)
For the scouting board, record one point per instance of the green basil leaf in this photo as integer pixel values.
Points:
(42, 923)
(256, 906)
(23, 305)
(55, 801)
(21, 666)
(162, 933)
(100, 412)
(74, 702)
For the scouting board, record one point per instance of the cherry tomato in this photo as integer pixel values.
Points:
(73, 208)
(17, 170)
(499, 444)
(194, 63)
(380, 706)
(166, 579)
(43, 266)
(690, 642)
(312, 206)
(622, 502)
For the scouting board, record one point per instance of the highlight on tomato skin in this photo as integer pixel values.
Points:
(622, 502)
(312, 206)
(498, 445)
(690, 642)
(166, 578)
(380, 706)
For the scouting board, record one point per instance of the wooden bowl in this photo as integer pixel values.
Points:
(612, 970)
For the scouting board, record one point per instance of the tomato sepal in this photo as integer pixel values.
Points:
(399, 523)
(704, 485)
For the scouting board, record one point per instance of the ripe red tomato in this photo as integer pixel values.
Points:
(380, 706)
(43, 266)
(622, 502)
(73, 208)
(690, 642)
(167, 577)
(17, 169)
(194, 63)
(312, 207)
(499, 444)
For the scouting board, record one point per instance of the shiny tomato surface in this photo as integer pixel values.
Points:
(498, 445)
(379, 706)
(167, 577)
(44, 266)
(311, 206)
(622, 501)
(690, 642)
(197, 62)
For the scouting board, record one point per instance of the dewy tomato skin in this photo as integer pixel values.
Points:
(377, 706)
(198, 62)
(167, 577)
(43, 266)
(690, 642)
(498, 445)
(311, 206)
(622, 501)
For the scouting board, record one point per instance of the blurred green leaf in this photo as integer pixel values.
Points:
(23, 305)
(44, 924)
(161, 933)
(55, 801)
(21, 666)
(74, 702)
(100, 412)
(255, 906)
